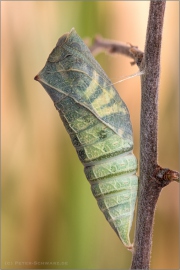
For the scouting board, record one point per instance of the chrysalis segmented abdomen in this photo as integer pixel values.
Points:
(110, 166)
(98, 123)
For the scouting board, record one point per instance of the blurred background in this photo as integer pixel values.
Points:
(49, 217)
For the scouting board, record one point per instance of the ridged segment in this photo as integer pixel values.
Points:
(98, 123)
(112, 167)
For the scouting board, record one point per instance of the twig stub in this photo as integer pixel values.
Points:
(110, 46)
(165, 176)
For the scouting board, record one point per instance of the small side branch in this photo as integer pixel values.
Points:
(165, 176)
(110, 46)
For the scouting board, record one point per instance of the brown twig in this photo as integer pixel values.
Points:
(101, 44)
(149, 189)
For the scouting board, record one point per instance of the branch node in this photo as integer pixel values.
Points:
(165, 176)
(136, 54)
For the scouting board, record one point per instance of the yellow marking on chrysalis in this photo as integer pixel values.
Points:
(106, 96)
(106, 110)
(90, 90)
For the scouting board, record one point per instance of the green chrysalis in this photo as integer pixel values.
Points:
(98, 123)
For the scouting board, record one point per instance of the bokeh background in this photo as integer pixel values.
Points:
(49, 217)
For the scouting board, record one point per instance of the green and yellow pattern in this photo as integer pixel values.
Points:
(98, 123)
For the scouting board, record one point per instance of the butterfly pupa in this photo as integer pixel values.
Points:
(99, 126)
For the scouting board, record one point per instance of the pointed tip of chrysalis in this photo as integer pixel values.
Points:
(130, 248)
(36, 78)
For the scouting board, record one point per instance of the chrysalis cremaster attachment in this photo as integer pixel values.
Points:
(98, 123)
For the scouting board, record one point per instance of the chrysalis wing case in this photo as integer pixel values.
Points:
(98, 123)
